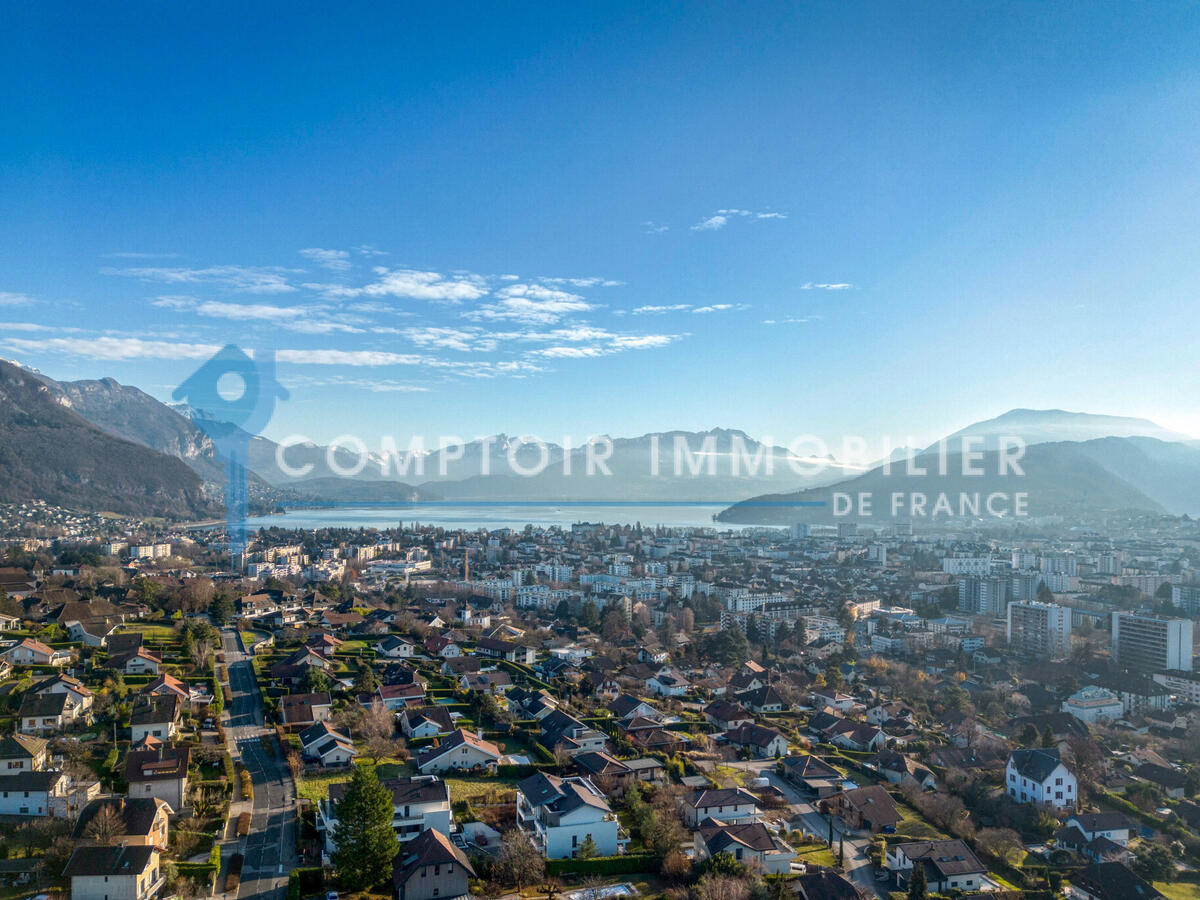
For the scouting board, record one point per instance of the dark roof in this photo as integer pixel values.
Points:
(596, 763)
(112, 861)
(825, 885)
(559, 795)
(429, 848)
(1036, 764)
(157, 764)
(753, 735)
(1114, 881)
(151, 709)
(725, 711)
(43, 704)
(807, 766)
(414, 789)
(137, 814)
(1160, 775)
(721, 797)
(29, 781)
(719, 836)
(1102, 821)
(21, 746)
(946, 858)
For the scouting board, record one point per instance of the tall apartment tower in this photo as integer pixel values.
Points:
(1040, 629)
(1143, 642)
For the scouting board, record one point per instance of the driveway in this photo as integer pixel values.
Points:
(857, 865)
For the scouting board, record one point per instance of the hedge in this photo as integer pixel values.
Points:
(625, 864)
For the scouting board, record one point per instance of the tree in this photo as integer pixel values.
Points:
(366, 843)
(562, 612)
(519, 862)
(918, 889)
(294, 763)
(1029, 735)
(722, 887)
(589, 616)
(106, 826)
(587, 848)
(365, 680)
(221, 608)
(1153, 862)
(377, 727)
(315, 680)
(1048, 739)
(201, 650)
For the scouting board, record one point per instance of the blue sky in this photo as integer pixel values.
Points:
(575, 218)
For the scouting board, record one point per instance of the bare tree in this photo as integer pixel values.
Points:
(377, 727)
(294, 763)
(519, 862)
(201, 651)
(721, 887)
(107, 826)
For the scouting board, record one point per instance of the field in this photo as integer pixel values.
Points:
(151, 632)
(1180, 890)
(817, 854)
(480, 788)
(314, 786)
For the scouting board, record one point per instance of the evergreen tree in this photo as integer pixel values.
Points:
(1048, 740)
(918, 889)
(366, 843)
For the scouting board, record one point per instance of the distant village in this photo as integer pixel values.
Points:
(599, 711)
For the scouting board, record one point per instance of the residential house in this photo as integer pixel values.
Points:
(604, 771)
(30, 652)
(812, 775)
(562, 730)
(324, 744)
(494, 683)
(23, 753)
(48, 713)
(749, 843)
(560, 814)
(116, 872)
(898, 768)
(949, 865)
(155, 716)
(1039, 776)
(868, 808)
(668, 682)
(136, 662)
(430, 867)
(1111, 881)
(305, 709)
(420, 803)
(401, 696)
(395, 647)
(161, 772)
(461, 751)
(763, 742)
(144, 821)
(494, 648)
(726, 715)
(439, 645)
(31, 793)
(1172, 782)
(765, 699)
(69, 685)
(727, 804)
(426, 722)
(856, 736)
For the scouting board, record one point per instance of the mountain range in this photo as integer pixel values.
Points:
(101, 445)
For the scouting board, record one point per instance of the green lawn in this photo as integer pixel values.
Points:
(480, 788)
(151, 632)
(817, 854)
(314, 786)
(1179, 890)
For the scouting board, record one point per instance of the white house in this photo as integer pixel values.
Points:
(118, 872)
(419, 803)
(395, 647)
(1093, 703)
(30, 652)
(750, 843)
(560, 814)
(461, 751)
(1038, 776)
(731, 805)
(31, 793)
(324, 744)
(949, 865)
(668, 683)
(1112, 825)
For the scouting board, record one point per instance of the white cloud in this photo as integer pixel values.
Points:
(333, 260)
(418, 285)
(464, 340)
(530, 303)
(835, 286)
(720, 307)
(247, 279)
(583, 282)
(115, 348)
(137, 255)
(712, 223)
(655, 228)
(660, 310)
(8, 298)
(792, 320)
(723, 217)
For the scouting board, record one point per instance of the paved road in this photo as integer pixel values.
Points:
(858, 862)
(270, 848)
